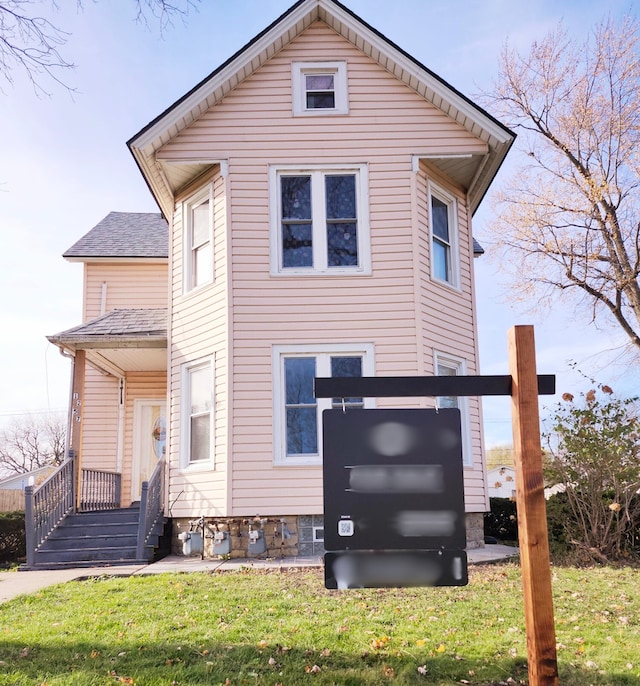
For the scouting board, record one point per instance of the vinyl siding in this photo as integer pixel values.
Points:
(397, 308)
(139, 386)
(100, 421)
(128, 284)
(200, 328)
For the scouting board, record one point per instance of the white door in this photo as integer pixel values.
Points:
(149, 441)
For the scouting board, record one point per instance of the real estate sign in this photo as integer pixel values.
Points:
(393, 498)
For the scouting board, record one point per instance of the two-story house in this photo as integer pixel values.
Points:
(318, 189)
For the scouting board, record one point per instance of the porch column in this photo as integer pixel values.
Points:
(77, 399)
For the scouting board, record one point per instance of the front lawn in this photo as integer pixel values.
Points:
(282, 627)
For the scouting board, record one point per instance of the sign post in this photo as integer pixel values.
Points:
(532, 519)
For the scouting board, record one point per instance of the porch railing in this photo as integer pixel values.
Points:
(46, 505)
(99, 490)
(151, 507)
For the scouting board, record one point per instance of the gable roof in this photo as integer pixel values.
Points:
(124, 235)
(475, 172)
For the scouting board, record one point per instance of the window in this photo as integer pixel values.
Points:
(198, 227)
(320, 221)
(449, 366)
(319, 88)
(298, 414)
(197, 424)
(444, 264)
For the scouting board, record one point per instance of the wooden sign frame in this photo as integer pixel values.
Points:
(524, 386)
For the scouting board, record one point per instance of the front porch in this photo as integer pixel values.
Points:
(90, 528)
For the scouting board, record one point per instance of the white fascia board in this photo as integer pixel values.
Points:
(438, 87)
(113, 260)
(186, 109)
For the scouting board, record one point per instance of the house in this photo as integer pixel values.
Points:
(316, 194)
(18, 482)
(501, 481)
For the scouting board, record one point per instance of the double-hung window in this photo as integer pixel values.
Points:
(198, 229)
(320, 221)
(444, 262)
(197, 414)
(298, 414)
(449, 366)
(319, 88)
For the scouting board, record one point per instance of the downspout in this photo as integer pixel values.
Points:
(121, 418)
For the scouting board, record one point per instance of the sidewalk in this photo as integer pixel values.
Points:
(13, 584)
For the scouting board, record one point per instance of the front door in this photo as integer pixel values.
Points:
(149, 441)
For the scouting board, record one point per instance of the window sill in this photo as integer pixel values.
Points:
(197, 467)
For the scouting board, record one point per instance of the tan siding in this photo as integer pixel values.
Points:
(199, 330)
(100, 421)
(128, 284)
(396, 308)
(138, 386)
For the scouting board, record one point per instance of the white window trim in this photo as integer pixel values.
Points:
(185, 415)
(317, 171)
(454, 252)
(204, 194)
(298, 90)
(460, 365)
(279, 352)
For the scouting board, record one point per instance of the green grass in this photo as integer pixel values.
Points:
(267, 628)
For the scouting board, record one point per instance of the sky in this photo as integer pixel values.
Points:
(64, 165)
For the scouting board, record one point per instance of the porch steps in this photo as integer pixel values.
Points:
(99, 539)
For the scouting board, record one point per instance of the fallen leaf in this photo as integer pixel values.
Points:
(441, 648)
(422, 670)
(378, 643)
(312, 670)
(388, 671)
(421, 642)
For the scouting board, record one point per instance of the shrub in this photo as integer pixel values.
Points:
(12, 536)
(502, 521)
(595, 445)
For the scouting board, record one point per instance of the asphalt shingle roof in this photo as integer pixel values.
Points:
(123, 323)
(125, 234)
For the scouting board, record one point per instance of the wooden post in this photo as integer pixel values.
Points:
(77, 408)
(532, 519)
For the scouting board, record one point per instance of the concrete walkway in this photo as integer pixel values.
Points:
(14, 584)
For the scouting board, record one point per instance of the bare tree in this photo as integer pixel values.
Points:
(32, 442)
(31, 44)
(569, 220)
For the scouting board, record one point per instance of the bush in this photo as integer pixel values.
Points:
(595, 444)
(502, 521)
(12, 536)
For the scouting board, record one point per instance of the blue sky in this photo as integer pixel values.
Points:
(64, 165)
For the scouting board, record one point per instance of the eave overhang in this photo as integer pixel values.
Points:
(474, 172)
(120, 341)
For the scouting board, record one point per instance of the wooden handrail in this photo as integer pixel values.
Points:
(151, 507)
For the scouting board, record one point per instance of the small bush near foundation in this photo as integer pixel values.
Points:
(502, 521)
(12, 536)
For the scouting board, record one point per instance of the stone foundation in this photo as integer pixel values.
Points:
(287, 536)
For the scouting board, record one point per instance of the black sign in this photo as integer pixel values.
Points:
(393, 480)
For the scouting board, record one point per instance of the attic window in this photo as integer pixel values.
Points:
(319, 88)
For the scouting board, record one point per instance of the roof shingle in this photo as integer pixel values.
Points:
(123, 323)
(124, 235)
